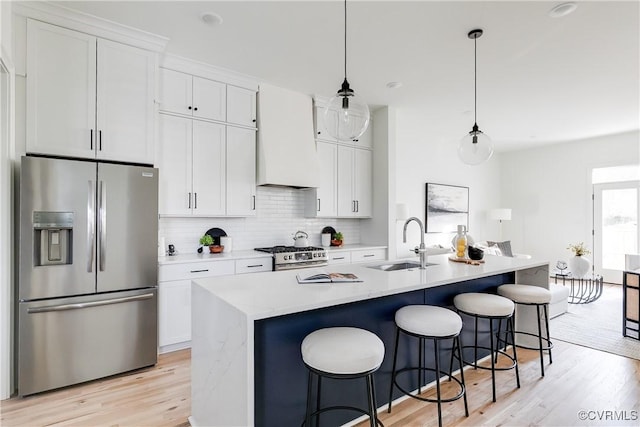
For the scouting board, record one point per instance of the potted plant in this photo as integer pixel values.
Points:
(207, 240)
(579, 264)
(337, 239)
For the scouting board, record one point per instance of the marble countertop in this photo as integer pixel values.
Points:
(270, 294)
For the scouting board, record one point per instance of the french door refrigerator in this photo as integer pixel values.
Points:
(87, 285)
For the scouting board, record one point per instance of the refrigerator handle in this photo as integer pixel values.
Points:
(91, 225)
(102, 224)
(65, 307)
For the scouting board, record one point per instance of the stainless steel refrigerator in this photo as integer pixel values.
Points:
(87, 285)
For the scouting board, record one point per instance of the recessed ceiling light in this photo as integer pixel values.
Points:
(211, 18)
(394, 85)
(562, 9)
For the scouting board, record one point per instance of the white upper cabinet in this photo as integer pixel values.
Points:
(209, 169)
(241, 171)
(355, 192)
(323, 123)
(88, 97)
(192, 96)
(322, 201)
(241, 106)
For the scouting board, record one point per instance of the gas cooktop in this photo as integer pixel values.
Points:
(282, 249)
(290, 257)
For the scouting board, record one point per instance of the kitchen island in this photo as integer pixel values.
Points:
(246, 332)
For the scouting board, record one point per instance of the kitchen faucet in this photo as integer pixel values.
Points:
(422, 249)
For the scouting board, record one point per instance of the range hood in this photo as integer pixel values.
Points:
(287, 153)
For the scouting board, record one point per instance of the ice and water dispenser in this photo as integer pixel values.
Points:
(53, 232)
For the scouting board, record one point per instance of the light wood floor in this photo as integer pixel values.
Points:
(579, 379)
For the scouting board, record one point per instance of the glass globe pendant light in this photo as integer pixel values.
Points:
(476, 147)
(352, 113)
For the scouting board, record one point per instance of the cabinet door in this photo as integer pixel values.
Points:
(326, 193)
(174, 314)
(323, 123)
(362, 182)
(125, 110)
(241, 171)
(241, 106)
(61, 91)
(209, 99)
(175, 92)
(346, 199)
(173, 159)
(209, 169)
(366, 139)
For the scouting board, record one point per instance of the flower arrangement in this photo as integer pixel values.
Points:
(579, 249)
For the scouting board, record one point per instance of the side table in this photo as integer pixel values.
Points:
(583, 291)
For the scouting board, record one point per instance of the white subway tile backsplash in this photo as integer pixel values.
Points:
(279, 214)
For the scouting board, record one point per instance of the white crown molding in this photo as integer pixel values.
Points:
(79, 21)
(201, 69)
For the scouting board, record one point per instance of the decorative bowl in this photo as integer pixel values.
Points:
(475, 254)
(216, 249)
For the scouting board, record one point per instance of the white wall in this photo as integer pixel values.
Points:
(549, 189)
(279, 214)
(421, 159)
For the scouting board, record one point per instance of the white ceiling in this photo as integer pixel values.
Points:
(540, 79)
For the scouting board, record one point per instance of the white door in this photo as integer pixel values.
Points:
(241, 106)
(176, 92)
(362, 182)
(326, 192)
(209, 99)
(615, 229)
(125, 110)
(241, 171)
(209, 169)
(173, 159)
(61, 91)
(346, 200)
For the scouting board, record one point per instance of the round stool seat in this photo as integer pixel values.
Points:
(429, 321)
(342, 350)
(526, 294)
(482, 304)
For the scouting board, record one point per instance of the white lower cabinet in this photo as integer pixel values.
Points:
(339, 257)
(174, 294)
(356, 256)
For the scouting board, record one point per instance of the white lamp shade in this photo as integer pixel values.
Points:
(474, 153)
(352, 121)
(501, 214)
(402, 211)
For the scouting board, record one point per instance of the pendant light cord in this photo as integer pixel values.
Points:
(345, 39)
(475, 80)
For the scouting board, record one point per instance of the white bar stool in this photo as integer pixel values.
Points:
(490, 307)
(538, 297)
(342, 353)
(437, 324)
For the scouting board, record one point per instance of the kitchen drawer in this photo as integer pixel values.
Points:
(339, 258)
(254, 265)
(195, 270)
(367, 255)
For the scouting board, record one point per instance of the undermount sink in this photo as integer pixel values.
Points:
(399, 266)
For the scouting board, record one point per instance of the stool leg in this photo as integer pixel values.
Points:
(371, 400)
(420, 359)
(457, 343)
(540, 340)
(318, 399)
(475, 347)
(435, 349)
(499, 340)
(493, 363)
(510, 324)
(307, 421)
(546, 324)
(393, 371)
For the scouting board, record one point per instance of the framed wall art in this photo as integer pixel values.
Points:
(447, 206)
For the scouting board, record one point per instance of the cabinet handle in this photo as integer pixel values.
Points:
(189, 107)
(318, 205)
(195, 108)
(100, 140)
(195, 200)
(254, 202)
(91, 140)
(254, 120)
(254, 265)
(368, 255)
(338, 257)
(199, 271)
(357, 205)
(189, 201)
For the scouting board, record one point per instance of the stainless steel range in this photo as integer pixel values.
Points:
(291, 257)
